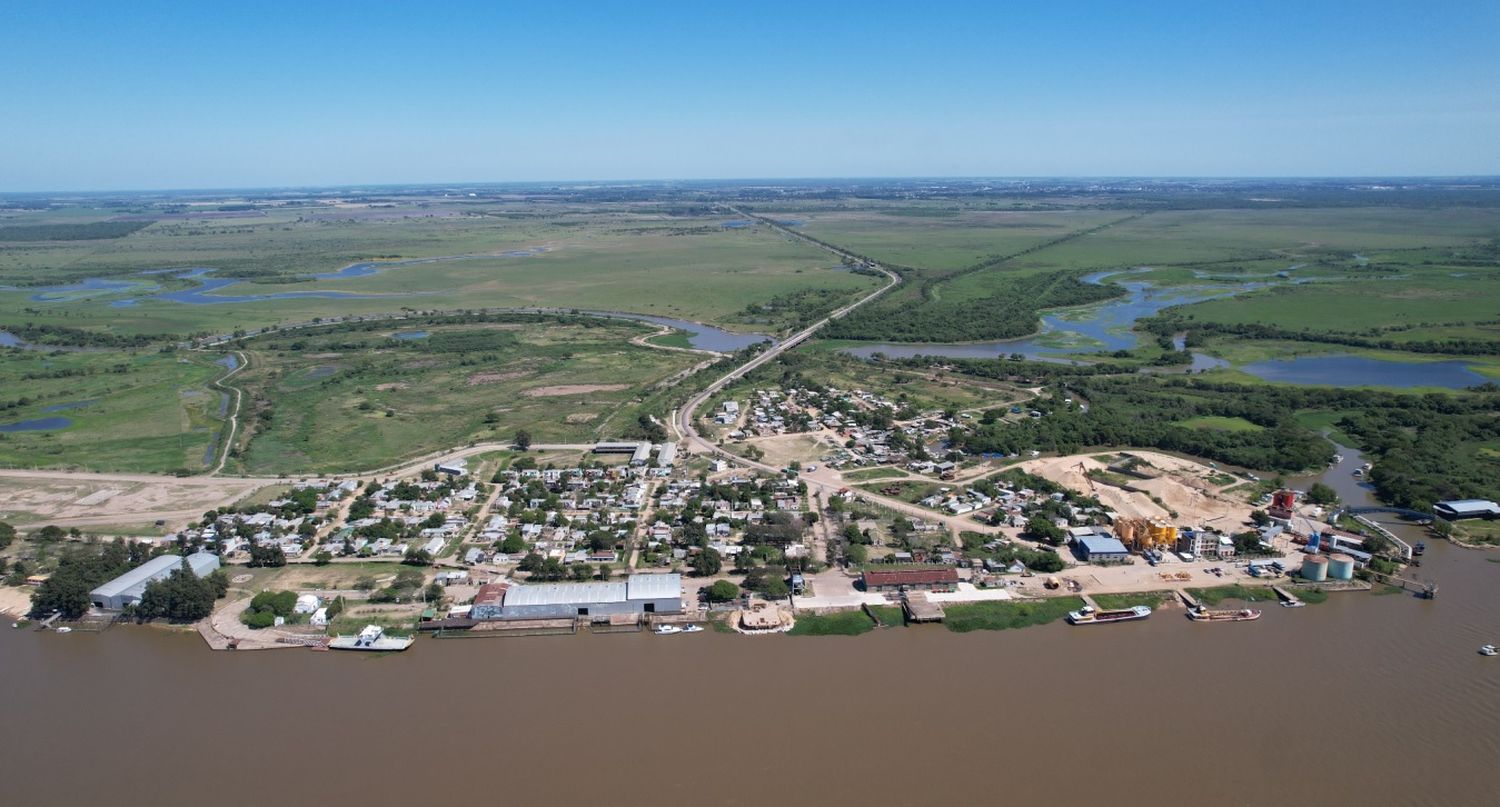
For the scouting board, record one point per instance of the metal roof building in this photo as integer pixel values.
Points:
(1101, 547)
(638, 594)
(1467, 508)
(128, 588)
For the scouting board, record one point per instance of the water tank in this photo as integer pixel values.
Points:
(1315, 568)
(1340, 567)
(1283, 500)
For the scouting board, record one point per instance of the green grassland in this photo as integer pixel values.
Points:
(944, 238)
(613, 259)
(1206, 238)
(130, 411)
(965, 617)
(1228, 424)
(1426, 296)
(341, 400)
(842, 623)
(1110, 602)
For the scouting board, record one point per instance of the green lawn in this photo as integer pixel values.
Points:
(843, 623)
(1002, 615)
(1152, 599)
(1218, 594)
(893, 616)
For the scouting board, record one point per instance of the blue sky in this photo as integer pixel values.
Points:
(141, 95)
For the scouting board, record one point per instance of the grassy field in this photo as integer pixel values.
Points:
(1218, 594)
(907, 491)
(125, 411)
(1323, 420)
(1151, 599)
(943, 237)
(843, 623)
(1224, 424)
(965, 617)
(614, 258)
(873, 474)
(347, 401)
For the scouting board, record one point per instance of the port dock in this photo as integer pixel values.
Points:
(1287, 597)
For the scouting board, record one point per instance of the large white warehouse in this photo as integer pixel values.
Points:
(128, 588)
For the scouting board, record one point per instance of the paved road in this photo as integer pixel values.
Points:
(824, 479)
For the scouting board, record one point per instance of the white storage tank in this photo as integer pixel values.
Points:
(1340, 567)
(1315, 568)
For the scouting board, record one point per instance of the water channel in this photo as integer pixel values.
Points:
(1107, 326)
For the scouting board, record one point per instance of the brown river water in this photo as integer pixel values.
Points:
(1365, 698)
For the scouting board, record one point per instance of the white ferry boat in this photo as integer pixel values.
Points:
(372, 638)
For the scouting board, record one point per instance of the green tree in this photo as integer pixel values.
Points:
(1322, 494)
(323, 558)
(523, 439)
(7, 534)
(723, 591)
(856, 553)
(1042, 529)
(267, 556)
(707, 563)
(581, 571)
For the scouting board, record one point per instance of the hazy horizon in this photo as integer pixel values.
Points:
(581, 182)
(172, 96)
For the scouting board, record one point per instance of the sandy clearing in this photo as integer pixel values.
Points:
(68, 499)
(1183, 487)
(390, 385)
(557, 390)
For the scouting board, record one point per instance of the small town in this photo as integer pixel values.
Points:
(868, 518)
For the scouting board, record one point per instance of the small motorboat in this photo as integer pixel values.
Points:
(666, 630)
(64, 629)
(692, 628)
(1488, 650)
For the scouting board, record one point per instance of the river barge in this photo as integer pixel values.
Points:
(372, 638)
(1207, 615)
(1089, 616)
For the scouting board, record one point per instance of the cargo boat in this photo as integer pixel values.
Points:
(1089, 616)
(1201, 614)
(372, 638)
